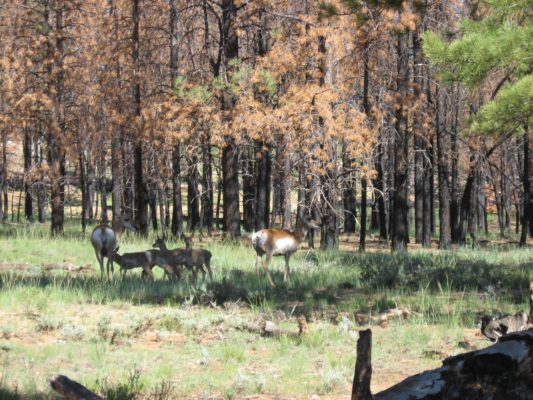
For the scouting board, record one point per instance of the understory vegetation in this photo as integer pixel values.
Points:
(131, 339)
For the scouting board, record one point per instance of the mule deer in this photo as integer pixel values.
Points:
(193, 259)
(134, 260)
(166, 260)
(104, 240)
(279, 242)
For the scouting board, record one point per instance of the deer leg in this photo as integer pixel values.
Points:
(257, 261)
(101, 262)
(265, 265)
(107, 268)
(287, 271)
(208, 266)
(147, 273)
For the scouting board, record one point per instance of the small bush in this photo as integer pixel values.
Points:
(129, 390)
(48, 324)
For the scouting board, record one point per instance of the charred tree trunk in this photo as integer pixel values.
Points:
(444, 184)
(349, 199)
(193, 194)
(262, 191)
(177, 214)
(400, 212)
(141, 195)
(28, 202)
(248, 190)
(207, 190)
(229, 43)
(379, 193)
(41, 193)
(230, 178)
(500, 372)
(83, 191)
(56, 129)
(454, 200)
(527, 203)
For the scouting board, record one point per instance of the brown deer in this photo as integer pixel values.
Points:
(104, 240)
(134, 260)
(166, 260)
(279, 242)
(193, 259)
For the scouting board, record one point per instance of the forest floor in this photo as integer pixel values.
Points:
(166, 340)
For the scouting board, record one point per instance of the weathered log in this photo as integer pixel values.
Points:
(494, 328)
(270, 329)
(500, 372)
(363, 367)
(71, 390)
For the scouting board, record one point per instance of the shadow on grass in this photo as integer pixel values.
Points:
(6, 394)
(325, 279)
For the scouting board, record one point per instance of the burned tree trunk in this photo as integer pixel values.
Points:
(400, 213)
(500, 372)
(72, 390)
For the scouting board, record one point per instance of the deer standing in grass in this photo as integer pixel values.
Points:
(134, 260)
(193, 259)
(104, 241)
(279, 242)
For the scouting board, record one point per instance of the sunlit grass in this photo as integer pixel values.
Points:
(195, 337)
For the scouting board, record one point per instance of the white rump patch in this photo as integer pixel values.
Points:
(285, 245)
(259, 239)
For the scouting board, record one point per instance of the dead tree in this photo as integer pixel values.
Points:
(500, 372)
(71, 390)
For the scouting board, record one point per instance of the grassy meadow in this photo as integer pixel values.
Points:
(128, 338)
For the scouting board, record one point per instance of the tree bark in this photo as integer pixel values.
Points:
(207, 190)
(349, 199)
(248, 190)
(444, 184)
(363, 367)
(28, 202)
(230, 178)
(177, 214)
(262, 192)
(400, 232)
(141, 195)
(527, 203)
(193, 193)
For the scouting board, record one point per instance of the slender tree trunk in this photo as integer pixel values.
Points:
(193, 194)
(56, 156)
(349, 199)
(28, 202)
(400, 232)
(83, 191)
(379, 192)
(89, 188)
(177, 214)
(444, 174)
(248, 190)
(230, 153)
(141, 195)
(262, 190)
(207, 192)
(527, 205)
(454, 201)
(230, 178)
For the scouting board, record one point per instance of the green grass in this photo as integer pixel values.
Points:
(190, 341)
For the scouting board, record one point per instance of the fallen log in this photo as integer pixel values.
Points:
(502, 371)
(494, 328)
(71, 390)
(270, 329)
